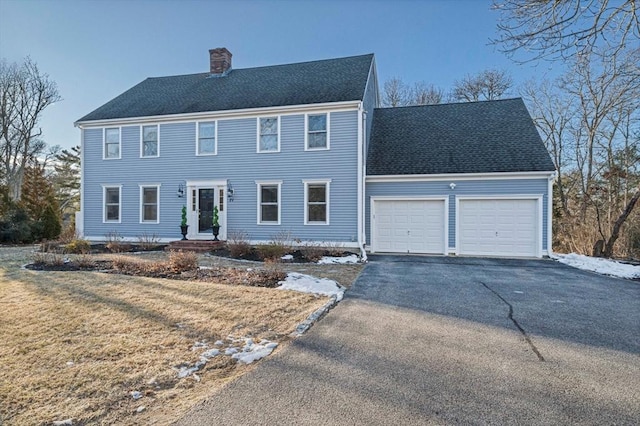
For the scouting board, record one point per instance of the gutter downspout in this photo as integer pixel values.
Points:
(362, 121)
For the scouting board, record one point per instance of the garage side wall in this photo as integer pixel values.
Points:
(480, 188)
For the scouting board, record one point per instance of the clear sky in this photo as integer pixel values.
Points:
(95, 50)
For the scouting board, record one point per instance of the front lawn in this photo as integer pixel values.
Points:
(114, 349)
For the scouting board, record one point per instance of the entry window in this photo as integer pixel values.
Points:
(316, 200)
(149, 201)
(149, 141)
(112, 143)
(269, 203)
(268, 140)
(207, 138)
(112, 204)
(317, 132)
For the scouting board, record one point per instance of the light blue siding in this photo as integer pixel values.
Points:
(237, 162)
(463, 187)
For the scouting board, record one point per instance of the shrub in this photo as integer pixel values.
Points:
(182, 261)
(115, 242)
(238, 244)
(16, 227)
(48, 258)
(311, 251)
(68, 234)
(272, 251)
(148, 241)
(334, 249)
(78, 246)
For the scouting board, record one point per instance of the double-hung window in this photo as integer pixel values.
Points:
(316, 202)
(150, 146)
(112, 203)
(317, 131)
(268, 134)
(206, 138)
(111, 143)
(269, 202)
(149, 202)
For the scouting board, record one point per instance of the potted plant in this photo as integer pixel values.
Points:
(215, 223)
(183, 223)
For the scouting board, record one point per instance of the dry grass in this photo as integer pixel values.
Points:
(75, 344)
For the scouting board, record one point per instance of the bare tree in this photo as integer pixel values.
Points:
(24, 94)
(487, 85)
(395, 93)
(561, 29)
(426, 94)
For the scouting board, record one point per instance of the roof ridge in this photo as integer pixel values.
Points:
(267, 66)
(451, 103)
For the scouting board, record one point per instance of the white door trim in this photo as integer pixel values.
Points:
(192, 216)
(536, 197)
(372, 220)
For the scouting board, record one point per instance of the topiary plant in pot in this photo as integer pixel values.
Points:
(216, 224)
(183, 223)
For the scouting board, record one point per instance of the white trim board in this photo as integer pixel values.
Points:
(227, 114)
(460, 176)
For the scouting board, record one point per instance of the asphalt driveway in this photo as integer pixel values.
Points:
(445, 340)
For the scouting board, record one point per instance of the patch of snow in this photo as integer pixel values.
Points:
(309, 284)
(598, 265)
(69, 363)
(254, 351)
(66, 422)
(230, 351)
(518, 292)
(287, 257)
(186, 371)
(219, 343)
(343, 260)
(140, 409)
(210, 353)
(136, 394)
(199, 345)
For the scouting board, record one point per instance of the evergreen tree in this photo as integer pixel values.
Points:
(66, 180)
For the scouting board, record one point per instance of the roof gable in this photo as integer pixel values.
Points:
(472, 137)
(325, 81)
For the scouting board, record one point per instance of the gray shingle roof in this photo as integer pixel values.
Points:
(474, 137)
(331, 80)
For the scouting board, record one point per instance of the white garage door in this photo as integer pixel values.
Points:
(500, 227)
(409, 226)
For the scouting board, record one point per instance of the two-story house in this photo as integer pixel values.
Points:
(304, 149)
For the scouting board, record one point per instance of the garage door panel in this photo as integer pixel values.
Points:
(502, 227)
(417, 226)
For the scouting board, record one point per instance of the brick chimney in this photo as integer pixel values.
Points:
(219, 61)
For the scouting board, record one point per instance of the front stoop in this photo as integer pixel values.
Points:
(200, 246)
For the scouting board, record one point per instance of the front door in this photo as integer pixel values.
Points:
(203, 200)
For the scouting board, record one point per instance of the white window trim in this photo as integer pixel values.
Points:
(306, 183)
(258, 150)
(141, 202)
(306, 132)
(104, 203)
(215, 142)
(142, 140)
(104, 143)
(259, 185)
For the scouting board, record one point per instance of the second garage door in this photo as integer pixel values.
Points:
(499, 227)
(409, 226)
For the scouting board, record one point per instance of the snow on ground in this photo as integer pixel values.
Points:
(309, 284)
(287, 257)
(599, 265)
(254, 351)
(345, 259)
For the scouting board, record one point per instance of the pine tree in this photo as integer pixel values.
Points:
(66, 180)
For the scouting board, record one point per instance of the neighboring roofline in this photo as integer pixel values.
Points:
(551, 174)
(518, 98)
(232, 113)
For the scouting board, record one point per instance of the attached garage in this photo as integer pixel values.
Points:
(469, 178)
(409, 225)
(499, 226)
